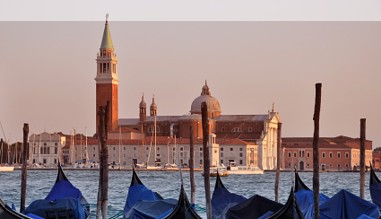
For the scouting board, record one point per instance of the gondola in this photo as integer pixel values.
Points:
(183, 209)
(345, 205)
(8, 213)
(142, 202)
(222, 199)
(63, 201)
(305, 197)
(290, 210)
(254, 207)
(375, 188)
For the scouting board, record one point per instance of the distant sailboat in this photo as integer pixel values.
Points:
(157, 163)
(172, 165)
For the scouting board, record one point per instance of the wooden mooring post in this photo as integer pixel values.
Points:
(362, 157)
(278, 161)
(102, 202)
(315, 179)
(205, 150)
(191, 165)
(24, 151)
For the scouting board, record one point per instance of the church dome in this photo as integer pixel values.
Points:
(214, 108)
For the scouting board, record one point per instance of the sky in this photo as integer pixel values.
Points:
(48, 64)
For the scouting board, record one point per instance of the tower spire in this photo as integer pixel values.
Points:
(106, 39)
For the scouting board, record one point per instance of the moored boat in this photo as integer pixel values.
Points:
(6, 168)
(220, 171)
(63, 201)
(142, 202)
(8, 213)
(375, 188)
(222, 199)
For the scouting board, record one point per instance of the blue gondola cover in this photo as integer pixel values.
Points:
(63, 199)
(222, 199)
(345, 205)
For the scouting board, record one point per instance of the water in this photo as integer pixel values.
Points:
(167, 184)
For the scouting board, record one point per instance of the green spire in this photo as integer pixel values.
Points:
(106, 40)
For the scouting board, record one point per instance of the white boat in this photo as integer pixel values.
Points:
(6, 168)
(243, 170)
(220, 170)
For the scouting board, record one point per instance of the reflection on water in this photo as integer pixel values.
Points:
(167, 184)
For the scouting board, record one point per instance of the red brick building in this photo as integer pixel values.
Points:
(339, 153)
(377, 159)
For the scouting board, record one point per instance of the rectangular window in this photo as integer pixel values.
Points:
(241, 162)
(338, 155)
(231, 149)
(323, 155)
(222, 154)
(346, 155)
(200, 149)
(294, 154)
(56, 150)
(289, 154)
(200, 161)
(240, 154)
(330, 155)
(240, 149)
(222, 161)
(222, 149)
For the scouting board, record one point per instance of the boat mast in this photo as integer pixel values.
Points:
(1, 154)
(86, 152)
(38, 149)
(2, 143)
(155, 136)
(32, 150)
(120, 137)
(175, 153)
(168, 150)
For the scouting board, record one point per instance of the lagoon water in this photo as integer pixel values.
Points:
(167, 184)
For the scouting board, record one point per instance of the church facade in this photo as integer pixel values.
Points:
(256, 135)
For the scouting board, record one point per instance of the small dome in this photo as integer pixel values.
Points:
(214, 108)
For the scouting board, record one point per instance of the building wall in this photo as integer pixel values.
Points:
(334, 154)
(104, 93)
(46, 149)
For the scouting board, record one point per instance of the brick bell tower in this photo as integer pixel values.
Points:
(107, 79)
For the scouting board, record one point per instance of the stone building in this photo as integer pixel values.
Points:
(46, 148)
(339, 153)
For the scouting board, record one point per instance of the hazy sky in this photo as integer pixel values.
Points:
(48, 70)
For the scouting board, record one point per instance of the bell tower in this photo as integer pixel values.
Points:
(107, 79)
